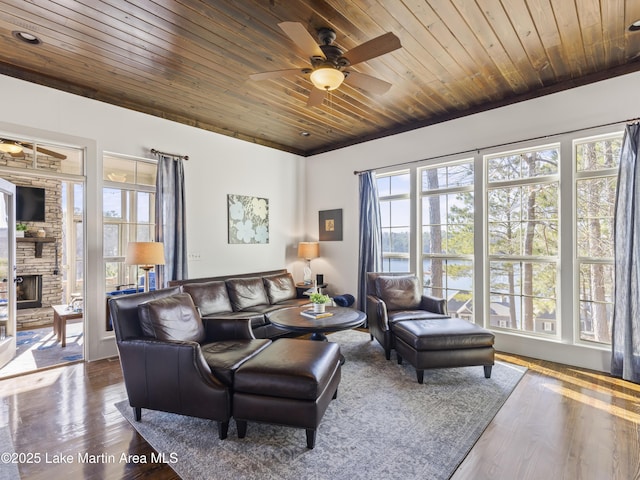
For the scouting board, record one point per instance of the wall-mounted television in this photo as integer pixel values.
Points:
(29, 204)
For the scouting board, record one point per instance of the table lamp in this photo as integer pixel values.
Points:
(308, 250)
(146, 255)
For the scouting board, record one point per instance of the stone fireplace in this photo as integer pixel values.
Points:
(38, 262)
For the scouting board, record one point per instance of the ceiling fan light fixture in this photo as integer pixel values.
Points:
(10, 147)
(635, 26)
(327, 78)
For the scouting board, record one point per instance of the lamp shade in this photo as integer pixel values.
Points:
(308, 250)
(145, 253)
(327, 78)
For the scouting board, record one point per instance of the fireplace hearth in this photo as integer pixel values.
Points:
(29, 291)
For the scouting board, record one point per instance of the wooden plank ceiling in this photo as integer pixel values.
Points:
(190, 60)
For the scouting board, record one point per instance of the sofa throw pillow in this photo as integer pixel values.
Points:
(246, 293)
(399, 292)
(171, 318)
(209, 297)
(279, 287)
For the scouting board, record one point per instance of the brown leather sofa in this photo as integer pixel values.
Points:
(251, 296)
(174, 360)
(394, 297)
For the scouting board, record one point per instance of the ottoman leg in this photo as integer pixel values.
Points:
(335, 394)
(241, 425)
(399, 358)
(420, 375)
(487, 371)
(137, 413)
(311, 437)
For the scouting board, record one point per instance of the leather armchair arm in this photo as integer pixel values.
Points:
(377, 313)
(170, 376)
(434, 304)
(217, 329)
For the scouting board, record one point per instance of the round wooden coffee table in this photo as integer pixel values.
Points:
(342, 318)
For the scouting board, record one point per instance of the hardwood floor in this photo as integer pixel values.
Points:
(560, 422)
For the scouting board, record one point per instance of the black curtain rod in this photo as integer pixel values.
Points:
(157, 152)
(541, 137)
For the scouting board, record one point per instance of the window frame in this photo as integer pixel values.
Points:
(128, 223)
(579, 260)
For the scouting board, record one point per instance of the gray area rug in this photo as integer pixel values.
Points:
(383, 425)
(8, 465)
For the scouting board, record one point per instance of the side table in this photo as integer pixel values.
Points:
(62, 313)
(303, 287)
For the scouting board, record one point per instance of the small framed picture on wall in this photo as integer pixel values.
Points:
(330, 227)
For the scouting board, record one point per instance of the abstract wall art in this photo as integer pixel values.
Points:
(248, 219)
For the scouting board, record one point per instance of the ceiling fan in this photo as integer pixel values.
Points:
(329, 65)
(16, 149)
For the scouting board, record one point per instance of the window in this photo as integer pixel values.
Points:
(522, 238)
(73, 239)
(596, 169)
(447, 235)
(431, 216)
(128, 210)
(395, 211)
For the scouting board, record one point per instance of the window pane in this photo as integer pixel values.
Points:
(111, 240)
(523, 296)
(596, 301)
(447, 177)
(144, 207)
(400, 213)
(528, 164)
(598, 155)
(384, 186)
(523, 220)
(400, 184)
(146, 173)
(118, 169)
(112, 203)
(595, 203)
(395, 264)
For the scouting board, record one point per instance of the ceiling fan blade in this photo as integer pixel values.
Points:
(302, 38)
(367, 82)
(373, 48)
(316, 97)
(277, 74)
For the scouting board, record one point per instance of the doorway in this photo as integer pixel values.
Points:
(49, 260)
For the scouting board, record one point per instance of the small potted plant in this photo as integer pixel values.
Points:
(319, 301)
(20, 229)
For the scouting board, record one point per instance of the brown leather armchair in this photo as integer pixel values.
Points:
(192, 376)
(393, 297)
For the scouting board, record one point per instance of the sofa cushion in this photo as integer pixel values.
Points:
(171, 318)
(399, 293)
(246, 292)
(209, 297)
(280, 287)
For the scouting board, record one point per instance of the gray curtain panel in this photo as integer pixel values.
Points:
(625, 358)
(370, 259)
(171, 219)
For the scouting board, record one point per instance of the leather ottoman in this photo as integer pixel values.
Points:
(290, 383)
(443, 343)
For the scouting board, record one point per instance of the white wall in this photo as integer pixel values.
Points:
(218, 165)
(331, 183)
(296, 188)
